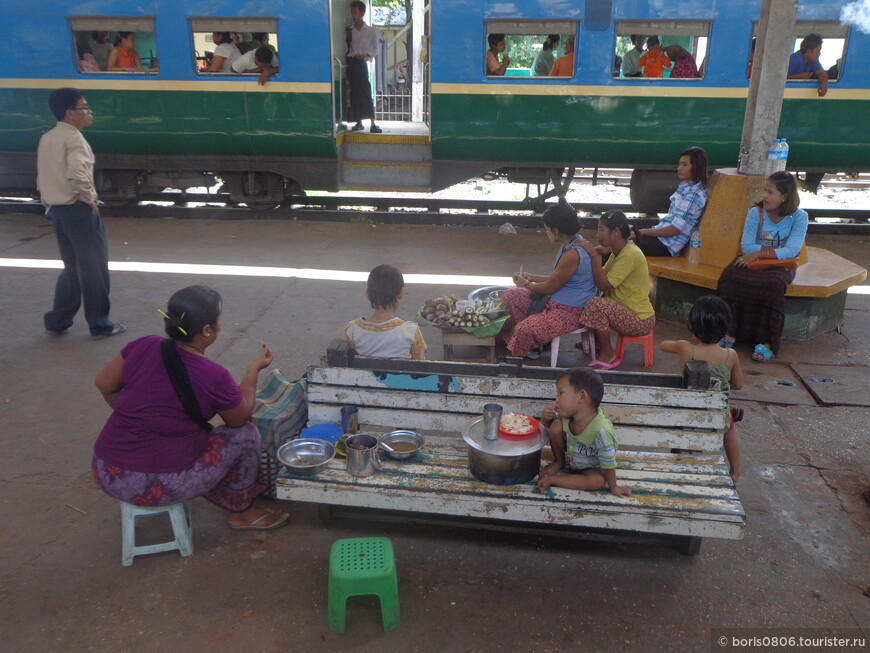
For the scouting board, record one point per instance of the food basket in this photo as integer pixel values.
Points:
(484, 331)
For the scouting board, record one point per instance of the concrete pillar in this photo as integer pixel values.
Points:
(769, 70)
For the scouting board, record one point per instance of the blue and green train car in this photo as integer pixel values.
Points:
(173, 125)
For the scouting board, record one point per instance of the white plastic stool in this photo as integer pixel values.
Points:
(182, 528)
(587, 338)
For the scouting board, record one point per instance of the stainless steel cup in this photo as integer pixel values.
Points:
(491, 420)
(350, 419)
(362, 454)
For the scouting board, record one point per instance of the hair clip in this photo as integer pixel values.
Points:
(183, 332)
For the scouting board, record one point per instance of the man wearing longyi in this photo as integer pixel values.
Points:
(65, 177)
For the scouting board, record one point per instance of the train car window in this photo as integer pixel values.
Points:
(519, 49)
(219, 42)
(114, 44)
(661, 49)
(833, 52)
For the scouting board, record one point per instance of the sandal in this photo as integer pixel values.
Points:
(762, 353)
(118, 329)
(601, 365)
(726, 344)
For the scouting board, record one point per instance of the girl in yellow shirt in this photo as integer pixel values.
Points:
(624, 281)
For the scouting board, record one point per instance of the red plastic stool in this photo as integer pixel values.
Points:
(648, 342)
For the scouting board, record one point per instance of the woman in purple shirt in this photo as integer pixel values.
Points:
(158, 449)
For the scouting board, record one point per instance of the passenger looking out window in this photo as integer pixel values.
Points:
(100, 46)
(804, 64)
(225, 53)
(260, 61)
(564, 66)
(655, 60)
(496, 47)
(630, 67)
(684, 62)
(124, 57)
(258, 40)
(544, 60)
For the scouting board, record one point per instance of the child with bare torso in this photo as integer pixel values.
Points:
(708, 321)
(591, 454)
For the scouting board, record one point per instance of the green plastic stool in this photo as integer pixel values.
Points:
(360, 566)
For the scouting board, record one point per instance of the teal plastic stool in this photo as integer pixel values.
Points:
(359, 566)
(182, 528)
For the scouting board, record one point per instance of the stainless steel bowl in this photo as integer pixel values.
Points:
(306, 457)
(404, 439)
(483, 293)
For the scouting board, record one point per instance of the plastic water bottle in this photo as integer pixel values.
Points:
(695, 247)
(783, 155)
(773, 157)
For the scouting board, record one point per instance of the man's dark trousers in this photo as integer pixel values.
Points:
(81, 240)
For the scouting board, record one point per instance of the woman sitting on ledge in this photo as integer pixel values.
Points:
(670, 235)
(157, 447)
(624, 280)
(568, 286)
(775, 229)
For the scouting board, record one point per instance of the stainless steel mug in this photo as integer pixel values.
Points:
(350, 419)
(491, 420)
(362, 454)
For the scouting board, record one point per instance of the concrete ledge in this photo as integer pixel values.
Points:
(825, 274)
(805, 316)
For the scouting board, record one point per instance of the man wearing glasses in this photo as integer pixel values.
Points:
(65, 177)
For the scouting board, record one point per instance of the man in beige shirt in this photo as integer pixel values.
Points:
(65, 177)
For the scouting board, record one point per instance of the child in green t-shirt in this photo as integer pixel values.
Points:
(591, 454)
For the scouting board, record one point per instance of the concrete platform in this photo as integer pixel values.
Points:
(802, 564)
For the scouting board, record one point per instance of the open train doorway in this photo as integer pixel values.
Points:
(398, 73)
(383, 142)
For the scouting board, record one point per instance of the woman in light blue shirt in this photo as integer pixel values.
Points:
(775, 228)
(545, 59)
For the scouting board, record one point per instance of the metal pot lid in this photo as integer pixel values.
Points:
(474, 435)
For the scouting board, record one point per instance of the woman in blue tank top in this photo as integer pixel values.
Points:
(569, 285)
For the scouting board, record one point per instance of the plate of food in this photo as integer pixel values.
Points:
(518, 426)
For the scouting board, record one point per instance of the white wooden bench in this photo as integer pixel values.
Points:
(681, 496)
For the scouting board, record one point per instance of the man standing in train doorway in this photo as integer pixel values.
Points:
(65, 178)
(361, 48)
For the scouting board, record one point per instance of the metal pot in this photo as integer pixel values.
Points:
(502, 462)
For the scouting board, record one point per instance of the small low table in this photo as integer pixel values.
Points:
(452, 339)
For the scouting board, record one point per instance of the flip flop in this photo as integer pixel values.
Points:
(256, 525)
(601, 365)
(118, 329)
(762, 353)
(727, 344)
